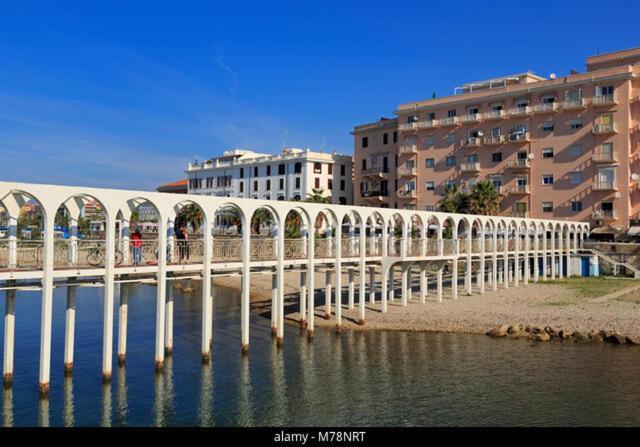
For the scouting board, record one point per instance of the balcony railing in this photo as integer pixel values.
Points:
(520, 189)
(409, 149)
(520, 111)
(600, 129)
(604, 157)
(407, 172)
(604, 185)
(494, 140)
(450, 121)
(470, 142)
(470, 167)
(373, 172)
(573, 104)
(494, 115)
(546, 107)
(605, 214)
(605, 100)
(406, 127)
(471, 118)
(519, 137)
(430, 124)
(521, 163)
(375, 195)
(408, 193)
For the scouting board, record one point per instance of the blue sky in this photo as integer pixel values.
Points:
(123, 94)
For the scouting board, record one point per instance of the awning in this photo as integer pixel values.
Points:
(607, 229)
(634, 230)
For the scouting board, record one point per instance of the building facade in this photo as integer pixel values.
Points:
(557, 148)
(290, 175)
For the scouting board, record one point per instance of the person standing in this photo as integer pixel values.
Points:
(136, 246)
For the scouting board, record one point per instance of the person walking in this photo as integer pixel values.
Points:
(136, 246)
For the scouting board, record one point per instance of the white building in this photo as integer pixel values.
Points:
(287, 176)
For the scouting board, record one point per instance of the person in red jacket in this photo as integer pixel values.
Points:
(136, 247)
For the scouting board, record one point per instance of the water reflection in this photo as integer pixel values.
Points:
(7, 407)
(43, 412)
(278, 387)
(67, 407)
(122, 395)
(245, 392)
(205, 409)
(106, 405)
(163, 395)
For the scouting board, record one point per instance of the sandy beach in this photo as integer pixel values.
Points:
(575, 304)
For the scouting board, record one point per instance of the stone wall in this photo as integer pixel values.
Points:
(621, 252)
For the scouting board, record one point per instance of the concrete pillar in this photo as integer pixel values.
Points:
(424, 291)
(13, 240)
(384, 288)
(467, 277)
(246, 285)
(560, 256)
(405, 285)
(274, 303)
(47, 309)
(482, 263)
(280, 270)
(327, 294)
(123, 311)
(9, 336)
(338, 276)
(392, 284)
(553, 255)
(439, 285)
(567, 247)
(527, 262)
(73, 241)
(516, 259)
(311, 285)
(544, 255)
(352, 288)
(161, 294)
(206, 340)
(303, 299)
(372, 284)
(70, 327)
(454, 278)
(168, 334)
(362, 291)
(536, 248)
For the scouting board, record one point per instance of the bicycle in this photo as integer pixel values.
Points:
(95, 257)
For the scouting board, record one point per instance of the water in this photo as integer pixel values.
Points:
(376, 378)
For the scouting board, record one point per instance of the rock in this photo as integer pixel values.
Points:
(595, 337)
(537, 330)
(579, 336)
(552, 333)
(564, 335)
(515, 330)
(631, 341)
(500, 331)
(542, 336)
(617, 339)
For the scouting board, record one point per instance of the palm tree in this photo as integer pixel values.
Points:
(192, 215)
(233, 216)
(260, 217)
(317, 196)
(292, 225)
(453, 201)
(484, 199)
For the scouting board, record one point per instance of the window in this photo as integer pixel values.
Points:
(521, 102)
(343, 170)
(451, 160)
(385, 138)
(430, 186)
(496, 107)
(297, 168)
(281, 183)
(342, 185)
(547, 207)
(329, 184)
(472, 110)
(365, 142)
(575, 150)
(548, 99)
(396, 161)
(317, 183)
(496, 157)
(281, 169)
(451, 113)
(574, 95)
(268, 185)
(575, 177)
(496, 132)
(241, 172)
(431, 208)
(429, 162)
(268, 170)
(547, 152)
(429, 140)
(241, 186)
(255, 171)
(451, 138)
(604, 90)
(364, 164)
(496, 180)
(255, 185)
(606, 151)
(576, 206)
(547, 179)
(395, 136)
(547, 126)
(317, 168)
(297, 182)
(576, 123)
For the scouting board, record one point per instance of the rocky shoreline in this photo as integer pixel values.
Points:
(548, 333)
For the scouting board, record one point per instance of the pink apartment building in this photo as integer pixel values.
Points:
(564, 147)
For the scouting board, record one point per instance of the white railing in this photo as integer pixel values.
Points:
(470, 167)
(408, 172)
(494, 115)
(604, 185)
(471, 118)
(520, 136)
(570, 104)
(496, 139)
(470, 142)
(546, 107)
(605, 128)
(449, 121)
(428, 124)
(603, 100)
(519, 111)
(409, 148)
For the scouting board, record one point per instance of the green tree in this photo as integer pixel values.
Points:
(62, 220)
(261, 216)
(292, 225)
(484, 199)
(454, 200)
(192, 215)
(317, 196)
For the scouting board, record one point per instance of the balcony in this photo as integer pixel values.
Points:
(520, 164)
(604, 129)
(605, 100)
(450, 121)
(604, 215)
(574, 104)
(470, 167)
(373, 173)
(408, 194)
(407, 127)
(431, 124)
(519, 137)
(407, 172)
(604, 157)
(519, 111)
(548, 107)
(604, 185)
(494, 140)
(471, 118)
(470, 142)
(408, 149)
(494, 115)
(373, 196)
(520, 189)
